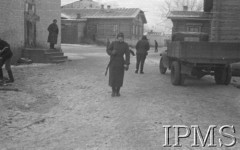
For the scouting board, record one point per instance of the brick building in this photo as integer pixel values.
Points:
(24, 23)
(105, 23)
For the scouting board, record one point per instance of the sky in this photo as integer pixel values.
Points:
(151, 8)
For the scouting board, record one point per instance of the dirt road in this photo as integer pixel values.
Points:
(68, 106)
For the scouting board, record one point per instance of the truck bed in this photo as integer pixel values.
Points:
(205, 52)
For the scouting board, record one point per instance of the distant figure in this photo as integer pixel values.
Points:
(142, 48)
(118, 64)
(5, 58)
(156, 46)
(53, 34)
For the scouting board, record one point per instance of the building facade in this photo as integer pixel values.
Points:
(191, 21)
(24, 23)
(102, 24)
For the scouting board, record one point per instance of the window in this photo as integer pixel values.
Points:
(100, 29)
(126, 29)
(133, 30)
(107, 29)
(136, 30)
(194, 27)
(140, 31)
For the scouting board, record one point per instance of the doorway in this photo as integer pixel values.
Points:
(30, 19)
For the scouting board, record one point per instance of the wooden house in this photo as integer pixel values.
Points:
(103, 24)
(219, 18)
(190, 21)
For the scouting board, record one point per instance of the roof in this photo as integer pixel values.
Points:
(197, 15)
(64, 16)
(117, 13)
(82, 4)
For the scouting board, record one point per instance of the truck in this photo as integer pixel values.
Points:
(190, 54)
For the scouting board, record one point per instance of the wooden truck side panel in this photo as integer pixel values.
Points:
(205, 52)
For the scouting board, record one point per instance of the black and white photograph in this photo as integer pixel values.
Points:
(120, 75)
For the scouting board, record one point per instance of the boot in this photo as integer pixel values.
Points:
(1, 76)
(118, 91)
(113, 92)
(141, 70)
(11, 79)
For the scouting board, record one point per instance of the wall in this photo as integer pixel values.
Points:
(160, 38)
(73, 31)
(225, 25)
(12, 25)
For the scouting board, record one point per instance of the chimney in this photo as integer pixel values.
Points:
(185, 8)
(108, 8)
(102, 6)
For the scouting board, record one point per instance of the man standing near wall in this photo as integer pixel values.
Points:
(53, 34)
(142, 48)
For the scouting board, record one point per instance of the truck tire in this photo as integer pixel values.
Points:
(176, 73)
(162, 69)
(220, 75)
(228, 75)
(223, 75)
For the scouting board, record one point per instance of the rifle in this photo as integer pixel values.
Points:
(108, 66)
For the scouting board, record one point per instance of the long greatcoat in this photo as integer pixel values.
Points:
(142, 47)
(117, 61)
(53, 33)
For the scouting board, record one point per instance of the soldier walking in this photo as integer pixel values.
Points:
(53, 34)
(117, 49)
(142, 48)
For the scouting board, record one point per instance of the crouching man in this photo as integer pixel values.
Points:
(5, 58)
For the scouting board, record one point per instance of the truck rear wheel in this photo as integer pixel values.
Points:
(219, 76)
(229, 75)
(176, 73)
(223, 75)
(162, 69)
